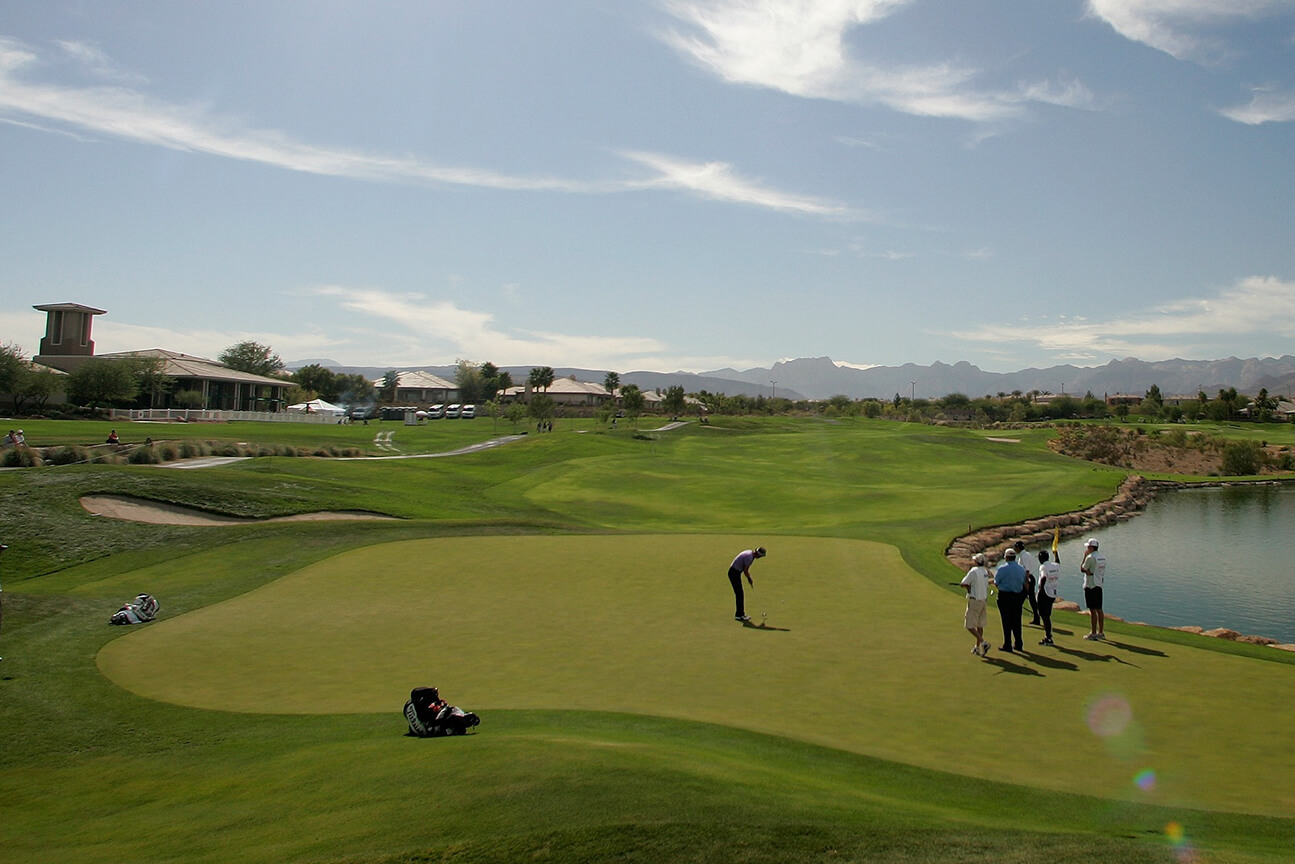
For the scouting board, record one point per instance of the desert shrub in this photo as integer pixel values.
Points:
(168, 451)
(1242, 457)
(69, 455)
(226, 448)
(352, 452)
(104, 457)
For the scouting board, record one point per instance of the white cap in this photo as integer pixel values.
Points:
(1092, 543)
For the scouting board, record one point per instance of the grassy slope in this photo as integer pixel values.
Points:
(339, 788)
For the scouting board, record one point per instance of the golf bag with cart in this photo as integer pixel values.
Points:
(429, 716)
(142, 608)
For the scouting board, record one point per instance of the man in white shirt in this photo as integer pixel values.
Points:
(1094, 570)
(977, 584)
(1026, 559)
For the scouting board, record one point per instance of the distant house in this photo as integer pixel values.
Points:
(421, 388)
(564, 391)
(67, 345)
(1130, 399)
(222, 388)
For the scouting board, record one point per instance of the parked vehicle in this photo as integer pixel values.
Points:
(436, 412)
(468, 412)
(453, 411)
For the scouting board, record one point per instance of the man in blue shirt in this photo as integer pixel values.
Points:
(1010, 579)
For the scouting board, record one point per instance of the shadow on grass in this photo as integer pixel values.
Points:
(1052, 662)
(1136, 649)
(1006, 665)
(751, 625)
(1092, 657)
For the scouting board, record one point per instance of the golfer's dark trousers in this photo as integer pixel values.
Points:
(735, 578)
(1045, 612)
(1034, 607)
(1010, 604)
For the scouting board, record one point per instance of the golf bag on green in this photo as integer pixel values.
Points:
(142, 608)
(429, 716)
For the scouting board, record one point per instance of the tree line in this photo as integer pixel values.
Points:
(140, 381)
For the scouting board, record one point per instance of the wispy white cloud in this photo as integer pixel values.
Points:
(416, 326)
(1258, 309)
(413, 330)
(1180, 28)
(1266, 106)
(719, 181)
(126, 113)
(798, 47)
(96, 62)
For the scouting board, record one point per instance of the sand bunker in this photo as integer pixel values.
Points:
(157, 513)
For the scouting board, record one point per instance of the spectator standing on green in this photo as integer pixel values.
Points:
(1094, 570)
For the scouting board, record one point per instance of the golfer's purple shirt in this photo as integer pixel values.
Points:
(743, 561)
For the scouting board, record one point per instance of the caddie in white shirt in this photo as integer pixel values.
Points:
(1094, 570)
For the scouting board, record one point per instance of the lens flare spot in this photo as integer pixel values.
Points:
(1145, 779)
(1109, 715)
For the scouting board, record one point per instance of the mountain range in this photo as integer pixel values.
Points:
(822, 378)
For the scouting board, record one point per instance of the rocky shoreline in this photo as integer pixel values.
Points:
(1128, 501)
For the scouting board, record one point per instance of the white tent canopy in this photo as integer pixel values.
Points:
(318, 406)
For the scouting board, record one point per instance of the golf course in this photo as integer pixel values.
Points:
(570, 588)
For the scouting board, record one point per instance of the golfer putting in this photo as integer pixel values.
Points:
(741, 567)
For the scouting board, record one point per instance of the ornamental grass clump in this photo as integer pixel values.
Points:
(193, 449)
(66, 455)
(144, 455)
(21, 457)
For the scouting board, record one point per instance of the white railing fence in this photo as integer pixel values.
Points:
(181, 415)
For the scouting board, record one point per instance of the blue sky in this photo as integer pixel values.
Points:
(655, 184)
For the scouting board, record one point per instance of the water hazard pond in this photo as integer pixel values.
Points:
(1211, 557)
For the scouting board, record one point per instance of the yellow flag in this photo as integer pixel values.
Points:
(1056, 539)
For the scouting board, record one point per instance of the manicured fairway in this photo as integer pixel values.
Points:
(859, 653)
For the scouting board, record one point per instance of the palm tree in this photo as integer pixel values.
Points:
(541, 378)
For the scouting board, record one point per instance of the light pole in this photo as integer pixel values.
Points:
(912, 390)
(773, 388)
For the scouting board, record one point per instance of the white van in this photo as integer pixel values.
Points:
(453, 411)
(469, 412)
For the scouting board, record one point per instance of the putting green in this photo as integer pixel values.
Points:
(859, 653)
